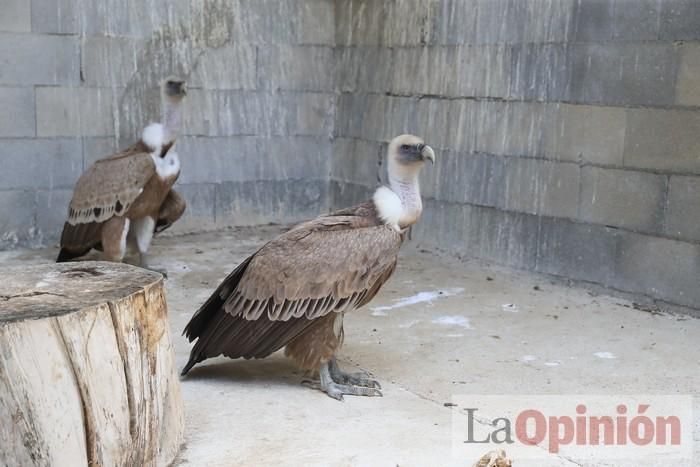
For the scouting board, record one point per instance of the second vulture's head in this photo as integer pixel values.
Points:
(174, 88)
(408, 154)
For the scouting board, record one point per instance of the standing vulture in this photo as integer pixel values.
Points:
(294, 291)
(129, 194)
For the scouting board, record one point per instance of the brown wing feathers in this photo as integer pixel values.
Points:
(108, 188)
(78, 239)
(171, 210)
(329, 265)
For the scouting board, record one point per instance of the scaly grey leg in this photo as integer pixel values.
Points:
(354, 379)
(337, 390)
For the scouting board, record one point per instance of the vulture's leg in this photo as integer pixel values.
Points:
(355, 379)
(338, 390)
(113, 238)
(143, 230)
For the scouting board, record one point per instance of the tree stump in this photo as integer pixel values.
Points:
(87, 371)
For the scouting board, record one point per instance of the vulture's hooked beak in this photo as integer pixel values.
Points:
(175, 88)
(428, 154)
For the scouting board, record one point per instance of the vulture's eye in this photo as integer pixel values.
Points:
(405, 147)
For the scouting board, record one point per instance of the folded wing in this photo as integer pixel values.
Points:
(330, 265)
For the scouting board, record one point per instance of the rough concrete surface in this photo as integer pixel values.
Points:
(439, 328)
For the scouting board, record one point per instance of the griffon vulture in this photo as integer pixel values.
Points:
(294, 291)
(129, 195)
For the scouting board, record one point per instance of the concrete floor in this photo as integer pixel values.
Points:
(439, 328)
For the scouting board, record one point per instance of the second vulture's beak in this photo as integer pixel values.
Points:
(176, 88)
(428, 154)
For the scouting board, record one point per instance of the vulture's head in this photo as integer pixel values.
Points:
(174, 88)
(408, 154)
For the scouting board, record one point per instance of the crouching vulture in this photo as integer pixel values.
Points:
(295, 290)
(129, 195)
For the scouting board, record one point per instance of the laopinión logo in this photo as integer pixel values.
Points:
(646, 429)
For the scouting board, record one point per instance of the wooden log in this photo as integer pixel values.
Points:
(87, 372)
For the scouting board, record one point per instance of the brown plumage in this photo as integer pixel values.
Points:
(295, 290)
(171, 210)
(297, 278)
(128, 193)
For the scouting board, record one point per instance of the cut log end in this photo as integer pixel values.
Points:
(86, 367)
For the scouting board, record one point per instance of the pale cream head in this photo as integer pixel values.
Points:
(400, 204)
(174, 89)
(407, 155)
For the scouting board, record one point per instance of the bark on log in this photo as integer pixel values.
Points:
(87, 372)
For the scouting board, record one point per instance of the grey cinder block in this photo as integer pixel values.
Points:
(578, 251)
(356, 161)
(623, 198)
(40, 163)
(62, 111)
(663, 140)
(659, 267)
(683, 214)
(316, 22)
(228, 67)
(201, 205)
(593, 20)
(16, 16)
(214, 160)
(17, 211)
(636, 19)
(343, 194)
(688, 86)
(268, 21)
(52, 211)
(680, 20)
(307, 68)
(260, 202)
(545, 188)
(593, 134)
(54, 16)
(39, 59)
(623, 73)
(18, 117)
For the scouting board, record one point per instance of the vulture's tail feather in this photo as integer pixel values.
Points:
(67, 255)
(194, 359)
(207, 315)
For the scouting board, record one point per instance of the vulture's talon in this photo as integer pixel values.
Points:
(337, 390)
(356, 379)
(361, 378)
(335, 383)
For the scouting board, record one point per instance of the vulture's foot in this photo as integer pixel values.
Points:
(338, 389)
(143, 262)
(355, 379)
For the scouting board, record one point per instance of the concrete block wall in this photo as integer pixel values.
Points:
(568, 131)
(79, 79)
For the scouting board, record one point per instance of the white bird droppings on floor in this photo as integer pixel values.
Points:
(605, 355)
(461, 321)
(528, 358)
(409, 324)
(421, 297)
(511, 307)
